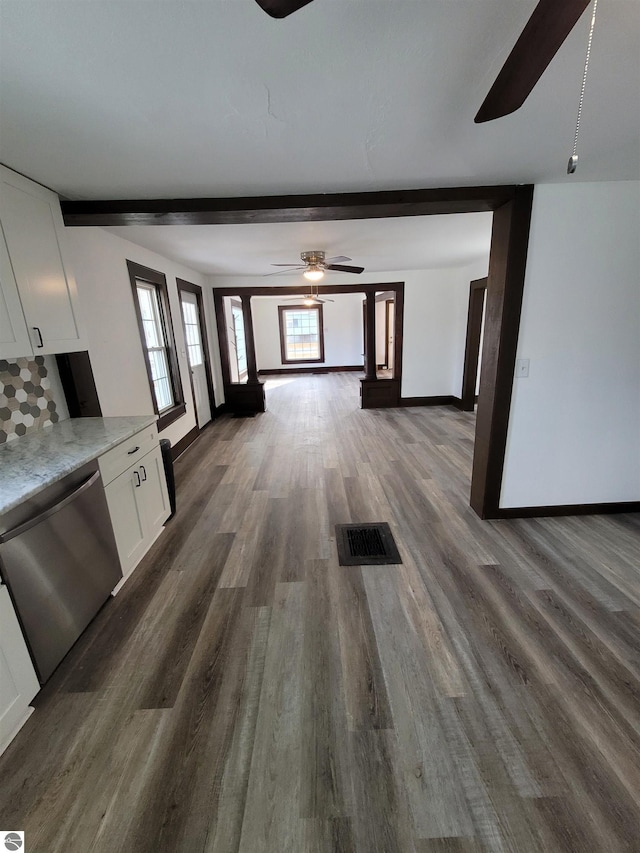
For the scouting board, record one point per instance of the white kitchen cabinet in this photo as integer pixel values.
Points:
(14, 336)
(126, 509)
(40, 310)
(137, 496)
(18, 680)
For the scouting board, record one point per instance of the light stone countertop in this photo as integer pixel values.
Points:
(31, 463)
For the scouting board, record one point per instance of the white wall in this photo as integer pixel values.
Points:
(342, 321)
(435, 329)
(106, 303)
(574, 429)
(435, 322)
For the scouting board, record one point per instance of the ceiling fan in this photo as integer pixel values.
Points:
(544, 33)
(315, 264)
(309, 299)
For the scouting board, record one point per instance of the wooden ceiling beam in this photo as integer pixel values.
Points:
(287, 208)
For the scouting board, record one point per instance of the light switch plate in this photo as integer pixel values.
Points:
(522, 368)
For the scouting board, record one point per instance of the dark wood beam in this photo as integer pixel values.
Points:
(296, 289)
(287, 208)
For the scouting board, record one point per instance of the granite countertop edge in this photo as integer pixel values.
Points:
(30, 464)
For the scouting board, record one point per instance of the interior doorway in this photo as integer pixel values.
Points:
(195, 335)
(375, 392)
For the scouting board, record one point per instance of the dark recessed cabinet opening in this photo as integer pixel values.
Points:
(366, 545)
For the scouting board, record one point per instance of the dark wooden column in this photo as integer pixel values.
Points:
(249, 342)
(223, 338)
(505, 284)
(472, 349)
(370, 337)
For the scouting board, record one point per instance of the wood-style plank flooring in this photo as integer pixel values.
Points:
(244, 693)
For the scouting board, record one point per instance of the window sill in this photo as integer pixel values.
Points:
(170, 416)
(303, 361)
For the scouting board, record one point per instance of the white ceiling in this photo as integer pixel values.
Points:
(193, 98)
(407, 243)
(180, 98)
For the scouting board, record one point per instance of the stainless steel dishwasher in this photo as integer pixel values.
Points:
(59, 561)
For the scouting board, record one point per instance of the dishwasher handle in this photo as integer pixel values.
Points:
(47, 513)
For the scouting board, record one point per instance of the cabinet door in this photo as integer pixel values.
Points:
(34, 233)
(124, 499)
(14, 337)
(18, 681)
(154, 491)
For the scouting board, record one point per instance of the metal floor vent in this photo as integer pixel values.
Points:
(366, 545)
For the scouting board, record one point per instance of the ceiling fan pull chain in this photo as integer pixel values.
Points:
(573, 160)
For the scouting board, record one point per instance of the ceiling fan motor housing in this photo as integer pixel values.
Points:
(314, 258)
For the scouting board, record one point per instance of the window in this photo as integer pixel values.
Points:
(192, 332)
(154, 321)
(241, 349)
(301, 334)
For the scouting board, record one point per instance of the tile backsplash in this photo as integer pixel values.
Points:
(27, 394)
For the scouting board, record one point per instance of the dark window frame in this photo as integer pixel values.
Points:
(158, 280)
(282, 324)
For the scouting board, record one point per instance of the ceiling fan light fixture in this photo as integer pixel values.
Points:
(309, 300)
(314, 273)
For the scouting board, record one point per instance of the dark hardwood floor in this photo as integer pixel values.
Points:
(246, 693)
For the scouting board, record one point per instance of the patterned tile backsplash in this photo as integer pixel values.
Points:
(26, 399)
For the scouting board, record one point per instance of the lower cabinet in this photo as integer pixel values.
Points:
(139, 505)
(18, 680)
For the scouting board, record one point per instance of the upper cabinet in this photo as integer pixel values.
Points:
(38, 298)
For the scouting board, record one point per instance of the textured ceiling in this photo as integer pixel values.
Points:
(193, 98)
(126, 99)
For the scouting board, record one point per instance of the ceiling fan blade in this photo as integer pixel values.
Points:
(544, 33)
(281, 8)
(282, 272)
(341, 268)
(339, 259)
(298, 266)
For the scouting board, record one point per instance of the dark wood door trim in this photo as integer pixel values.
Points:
(509, 241)
(196, 290)
(286, 208)
(477, 290)
(219, 294)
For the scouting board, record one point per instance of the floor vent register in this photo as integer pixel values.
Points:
(366, 545)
